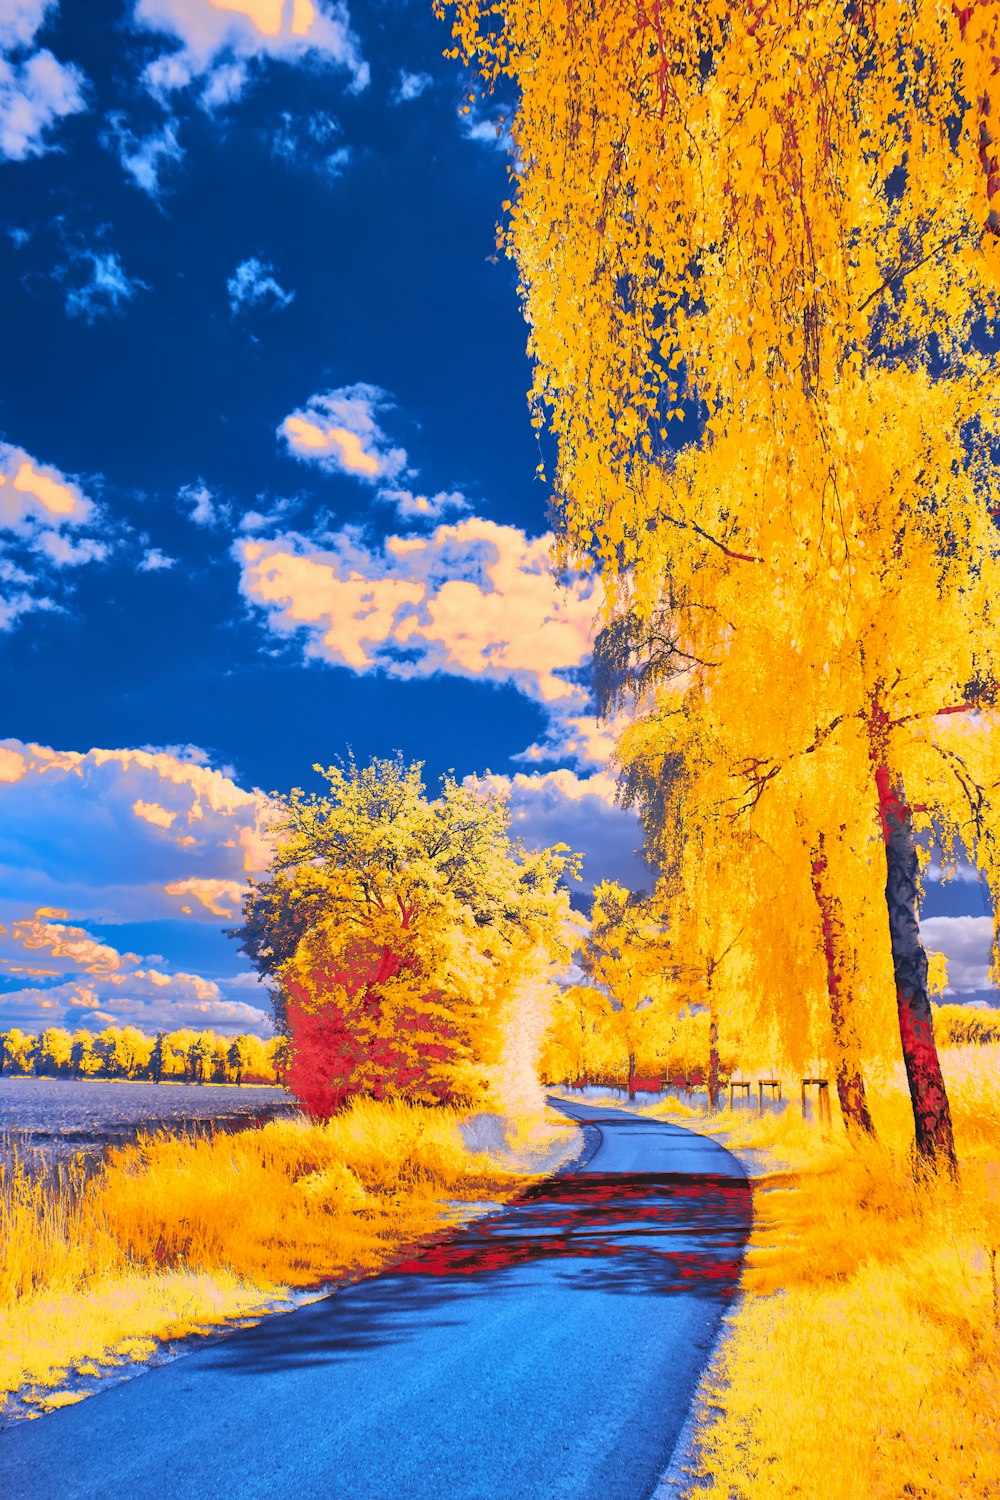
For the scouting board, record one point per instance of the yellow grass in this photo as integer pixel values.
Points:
(177, 1235)
(863, 1361)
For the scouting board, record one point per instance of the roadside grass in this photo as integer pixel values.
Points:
(863, 1360)
(177, 1235)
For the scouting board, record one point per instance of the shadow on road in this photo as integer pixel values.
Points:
(659, 1235)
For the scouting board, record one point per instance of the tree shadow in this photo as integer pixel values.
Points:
(622, 1234)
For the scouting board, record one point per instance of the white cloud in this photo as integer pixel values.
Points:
(65, 552)
(485, 130)
(473, 599)
(339, 431)
(305, 141)
(560, 807)
(106, 290)
(578, 737)
(222, 40)
(36, 89)
(155, 561)
(253, 282)
(411, 507)
(206, 508)
(410, 86)
(144, 158)
(40, 510)
(146, 998)
(966, 942)
(21, 20)
(111, 834)
(33, 493)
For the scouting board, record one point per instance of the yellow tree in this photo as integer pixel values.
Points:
(16, 1050)
(572, 1049)
(55, 1047)
(776, 225)
(407, 936)
(623, 956)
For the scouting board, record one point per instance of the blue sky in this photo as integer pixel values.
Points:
(267, 481)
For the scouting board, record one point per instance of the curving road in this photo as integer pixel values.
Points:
(549, 1352)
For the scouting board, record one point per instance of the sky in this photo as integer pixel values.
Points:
(268, 489)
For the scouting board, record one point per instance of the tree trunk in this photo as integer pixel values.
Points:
(847, 1046)
(631, 1075)
(714, 1086)
(933, 1135)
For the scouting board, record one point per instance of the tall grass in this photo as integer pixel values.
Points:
(176, 1234)
(863, 1362)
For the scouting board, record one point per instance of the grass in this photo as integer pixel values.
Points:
(863, 1360)
(177, 1235)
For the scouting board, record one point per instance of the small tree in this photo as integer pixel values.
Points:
(394, 928)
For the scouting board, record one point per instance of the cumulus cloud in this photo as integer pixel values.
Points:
(220, 897)
(111, 835)
(66, 552)
(105, 288)
(36, 89)
(410, 86)
(123, 836)
(147, 998)
(473, 599)
(411, 507)
(559, 806)
(966, 943)
(144, 158)
(33, 493)
(578, 737)
(339, 431)
(252, 283)
(222, 41)
(42, 515)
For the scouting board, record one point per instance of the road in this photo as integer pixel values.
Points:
(548, 1352)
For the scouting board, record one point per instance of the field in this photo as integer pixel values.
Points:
(177, 1235)
(863, 1360)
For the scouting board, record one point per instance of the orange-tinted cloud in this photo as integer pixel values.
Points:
(473, 599)
(221, 39)
(339, 430)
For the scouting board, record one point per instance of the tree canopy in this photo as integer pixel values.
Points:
(758, 257)
(403, 935)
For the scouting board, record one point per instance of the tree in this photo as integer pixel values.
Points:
(16, 1050)
(54, 1051)
(396, 929)
(783, 234)
(84, 1060)
(125, 1051)
(623, 956)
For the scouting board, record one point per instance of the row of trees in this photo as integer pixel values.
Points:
(125, 1052)
(410, 943)
(776, 228)
(641, 1011)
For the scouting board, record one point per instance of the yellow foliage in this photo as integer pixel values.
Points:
(864, 1357)
(160, 1244)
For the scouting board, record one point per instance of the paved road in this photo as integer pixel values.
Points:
(549, 1352)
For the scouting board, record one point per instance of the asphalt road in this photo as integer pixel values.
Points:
(549, 1352)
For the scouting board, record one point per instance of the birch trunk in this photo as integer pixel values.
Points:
(847, 1045)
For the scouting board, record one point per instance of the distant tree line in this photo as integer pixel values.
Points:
(184, 1056)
